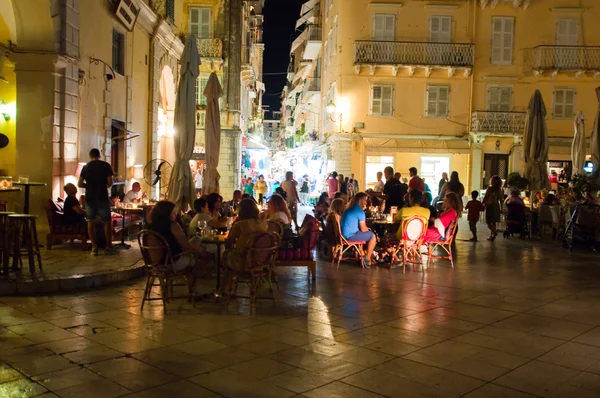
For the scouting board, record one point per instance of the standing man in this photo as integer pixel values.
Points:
(392, 190)
(355, 183)
(198, 182)
(292, 198)
(354, 226)
(332, 184)
(96, 177)
(442, 182)
(379, 184)
(415, 181)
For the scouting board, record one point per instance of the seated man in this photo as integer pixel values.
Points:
(73, 213)
(202, 214)
(415, 210)
(354, 226)
(133, 195)
(232, 205)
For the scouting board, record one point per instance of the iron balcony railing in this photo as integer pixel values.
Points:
(498, 122)
(368, 52)
(563, 57)
(210, 48)
(314, 33)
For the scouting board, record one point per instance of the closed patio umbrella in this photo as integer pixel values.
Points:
(595, 138)
(578, 146)
(181, 189)
(212, 92)
(535, 144)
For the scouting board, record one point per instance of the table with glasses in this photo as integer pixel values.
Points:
(27, 185)
(218, 241)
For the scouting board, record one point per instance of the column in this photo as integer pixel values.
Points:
(516, 156)
(476, 167)
(229, 162)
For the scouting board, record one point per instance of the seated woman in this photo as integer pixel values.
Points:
(277, 211)
(73, 213)
(452, 210)
(186, 253)
(335, 213)
(322, 206)
(238, 241)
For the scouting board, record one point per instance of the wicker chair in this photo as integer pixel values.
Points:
(258, 268)
(446, 244)
(413, 233)
(160, 262)
(342, 245)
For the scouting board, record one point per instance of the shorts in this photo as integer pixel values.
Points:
(361, 236)
(98, 210)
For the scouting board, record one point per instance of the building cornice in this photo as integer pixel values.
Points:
(148, 21)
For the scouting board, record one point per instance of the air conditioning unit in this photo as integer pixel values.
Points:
(127, 13)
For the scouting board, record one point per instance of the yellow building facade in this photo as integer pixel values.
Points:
(444, 86)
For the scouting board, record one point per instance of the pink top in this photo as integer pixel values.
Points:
(553, 179)
(332, 183)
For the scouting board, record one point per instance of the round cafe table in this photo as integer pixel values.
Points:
(123, 211)
(217, 240)
(27, 186)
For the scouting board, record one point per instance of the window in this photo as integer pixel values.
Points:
(201, 83)
(564, 103)
(567, 32)
(118, 52)
(499, 98)
(502, 40)
(440, 29)
(382, 100)
(438, 98)
(384, 27)
(170, 10)
(200, 19)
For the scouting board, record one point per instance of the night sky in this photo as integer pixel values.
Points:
(278, 34)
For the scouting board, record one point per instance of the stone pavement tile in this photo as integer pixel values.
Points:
(572, 391)
(296, 338)
(179, 389)
(298, 380)
(472, 313)
(88, 307)
(163, 334)
(7, 373)
(233, 385)
(510, 341)
(92, 354)
(574, 356)
(56, 314)
(176, 362)
(333, 367)
(35, 365)
(414, 302)
(69, 345)
(551, 327)
(329, 347)
(119, 319)
(131, 373)
(515, 304)
(587, 381)
(538, 378)
(359, 338)
(496, 391)
(236, 337)
(200, 346)
(478, 362)
(298, 356)
(10, 340)
(66, 378)
(21, 388)
(339, 390)
(102, 388)
(82, 325)
(115, 336)
(228, 356)
(133, 346)
(365, 357)
(591, 337)
(261, 368)
(393, 347)
(264, 346)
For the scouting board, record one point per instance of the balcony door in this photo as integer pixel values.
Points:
(384, 30)
(494, 164)
(567, 34)
(200, 22)
(499, 98)
(440, 31)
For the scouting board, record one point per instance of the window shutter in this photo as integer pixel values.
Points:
(390, 27)
(432, 98)
(204, 32)
(443, 100)
(569, 108)
(378, 26)
(567, 32)
(440, 29)
(557, 110)
(384, 27)
(387, 100)
(502, 40)
(376, 100)
(505, 99)
(507, 42)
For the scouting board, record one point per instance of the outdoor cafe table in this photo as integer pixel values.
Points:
(27, 186)
(218, 241)
(123, 211)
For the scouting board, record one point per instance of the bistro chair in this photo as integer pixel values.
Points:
(259, 261)
(160, 262)
(275, 228)
(413, 233)
(5, 239)
(342, 245)
(23, 230)
(445, 245)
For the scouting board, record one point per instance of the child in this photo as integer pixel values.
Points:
(474, 208)
(249, 187)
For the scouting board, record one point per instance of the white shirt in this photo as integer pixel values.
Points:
(279, 217)
(194, 223)
(130, 197)
(198, 179)
(290, 190)
(379, 186)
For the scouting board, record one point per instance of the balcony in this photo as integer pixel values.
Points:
(210, 48)
(498, 123)
(313, 41)
(229, 119)
(313, 84)
(578, 59)
(412, 55)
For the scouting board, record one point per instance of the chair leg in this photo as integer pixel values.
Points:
(313, 270)
(450, 256)
(36, 245)
(147, 290)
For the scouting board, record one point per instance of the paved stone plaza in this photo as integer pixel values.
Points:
(512, 319)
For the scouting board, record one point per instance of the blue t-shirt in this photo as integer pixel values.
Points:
(350, 219)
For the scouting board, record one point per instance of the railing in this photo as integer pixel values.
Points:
(498, 122)
(314, 33)
(413, 53)
(210, 48)
(563, 57)
(313, 84)
(229, 119)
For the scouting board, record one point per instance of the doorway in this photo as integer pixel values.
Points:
(431, 171)
(374, 165)
(494, 164)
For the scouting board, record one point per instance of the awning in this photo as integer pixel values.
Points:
(299, 40)
(308, 6)
(417, 145)
(308, 17)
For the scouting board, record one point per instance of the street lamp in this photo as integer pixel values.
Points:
(331, 108)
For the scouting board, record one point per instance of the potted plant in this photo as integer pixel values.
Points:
(516, 181)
